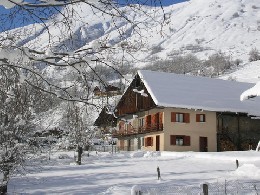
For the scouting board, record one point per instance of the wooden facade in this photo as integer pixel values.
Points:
(132, 101)
(237, 131)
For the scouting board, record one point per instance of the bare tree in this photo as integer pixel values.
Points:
(16, 114)
(72, 53)
(26, 63)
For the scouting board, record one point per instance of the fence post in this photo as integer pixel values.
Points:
(205, 189)
(237, 163)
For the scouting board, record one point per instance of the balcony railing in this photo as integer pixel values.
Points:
(140, 130)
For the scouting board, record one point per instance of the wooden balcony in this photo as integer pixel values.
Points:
(140, 130)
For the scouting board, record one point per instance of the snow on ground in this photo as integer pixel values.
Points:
(249, 73)
(114, 174)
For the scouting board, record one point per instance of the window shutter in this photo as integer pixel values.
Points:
(145, 142)
(204, 118)
(173, 117)
(147, 122)
(153, 118)
(173, 140)
(187, 140)
(151, 141)
(160, 118)
(197, 117)
(186, 117)
(153, 121)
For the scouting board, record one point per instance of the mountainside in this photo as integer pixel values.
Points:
(197, 26)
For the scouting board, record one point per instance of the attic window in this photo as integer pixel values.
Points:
(200, 118)
(180, 117)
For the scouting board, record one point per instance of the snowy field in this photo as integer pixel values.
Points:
(117, 174)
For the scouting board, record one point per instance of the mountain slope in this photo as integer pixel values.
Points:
(197, 26)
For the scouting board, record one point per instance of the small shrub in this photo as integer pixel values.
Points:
(254, 55)
(235, 15)
(238, 62)
(156, 49)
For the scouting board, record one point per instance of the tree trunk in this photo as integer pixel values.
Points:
(3, 189)
(80, 151)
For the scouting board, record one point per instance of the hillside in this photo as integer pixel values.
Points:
(196, 27)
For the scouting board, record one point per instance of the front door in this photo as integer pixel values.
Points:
(203, 144)
(157, 142)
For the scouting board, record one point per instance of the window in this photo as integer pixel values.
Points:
(180, 117)
(148, 141)
(180, 140)
(200, 118)
(141, 122)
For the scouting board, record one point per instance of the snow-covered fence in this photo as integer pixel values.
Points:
(216, 188)
(104, 148)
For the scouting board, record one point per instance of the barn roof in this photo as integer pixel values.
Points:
(193, 92)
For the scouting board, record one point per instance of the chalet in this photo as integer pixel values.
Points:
(108, 90)
(105, 121)
(170, 112)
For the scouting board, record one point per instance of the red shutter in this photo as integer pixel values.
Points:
(173, 117)
(153, 121)
(187, 140)
(145, 142)
(172, 139)
(197, 117)
(160, 118)
(186, 117)
(148, 122)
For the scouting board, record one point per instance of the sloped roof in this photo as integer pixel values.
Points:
(191, 92)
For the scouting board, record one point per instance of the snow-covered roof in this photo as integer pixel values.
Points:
(191, 92)
(252, 92)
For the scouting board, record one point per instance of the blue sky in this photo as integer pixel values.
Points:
(153, 2)
(15, 17)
